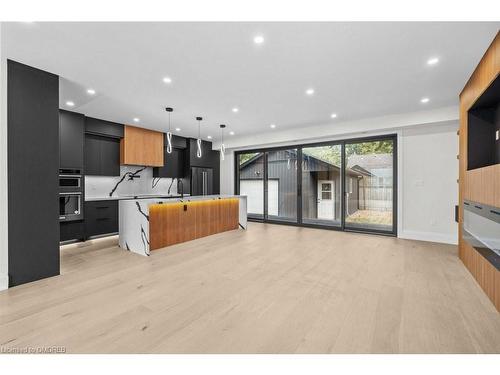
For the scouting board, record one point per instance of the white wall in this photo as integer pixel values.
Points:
(3, 168)
(427, 168)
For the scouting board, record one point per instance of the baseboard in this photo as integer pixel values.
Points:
(429, 237)
(4, 282)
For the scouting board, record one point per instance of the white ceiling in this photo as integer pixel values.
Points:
(357, 70)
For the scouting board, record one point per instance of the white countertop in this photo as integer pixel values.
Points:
(132, 197)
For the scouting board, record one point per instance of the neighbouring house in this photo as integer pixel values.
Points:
(321, 189)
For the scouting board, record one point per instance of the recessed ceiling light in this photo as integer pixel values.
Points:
(333, 115)
(424, 100)
(91, 91)
(433, 61)
(235, 110)
(209, 136)
(231, 133)
(167, 79)
(258, 39)
(136, 119)
(69, 103)
(272, 126)
(177, 129)
(309, 92)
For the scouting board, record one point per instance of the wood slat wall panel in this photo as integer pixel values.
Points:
(483, 184)
(170, 223)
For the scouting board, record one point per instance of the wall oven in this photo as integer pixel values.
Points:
(70, 206)
(70, 195)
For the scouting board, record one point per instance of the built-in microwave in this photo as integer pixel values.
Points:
(70, 180)
(70, 206)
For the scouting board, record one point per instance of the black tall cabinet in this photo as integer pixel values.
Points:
(33, 161)
(71, 139)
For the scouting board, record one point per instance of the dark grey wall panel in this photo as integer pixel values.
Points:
(33, 167)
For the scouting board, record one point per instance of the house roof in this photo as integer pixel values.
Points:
(356, 170)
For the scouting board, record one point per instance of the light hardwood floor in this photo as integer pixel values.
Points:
(271, 289)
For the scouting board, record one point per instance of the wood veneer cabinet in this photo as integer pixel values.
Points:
(141, 147)
(184, 221)
(480, 185)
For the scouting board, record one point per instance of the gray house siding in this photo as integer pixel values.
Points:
(282, 167)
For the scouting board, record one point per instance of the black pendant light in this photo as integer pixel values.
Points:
(222, 147)
(198, 141)
(169, 133)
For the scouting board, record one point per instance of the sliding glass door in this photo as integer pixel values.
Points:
(321, 185)
(348, 185)
(251, 182)
(281, 187)
(369, 180)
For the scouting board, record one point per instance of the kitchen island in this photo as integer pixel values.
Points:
(150, 224)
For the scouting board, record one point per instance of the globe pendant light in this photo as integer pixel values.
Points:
(169, 133)
(222, 147)
(198, 141)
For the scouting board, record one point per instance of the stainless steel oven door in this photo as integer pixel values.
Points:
(70, 206)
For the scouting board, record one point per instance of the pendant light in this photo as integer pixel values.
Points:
(222, 147)
(198, 141)
(169, 133)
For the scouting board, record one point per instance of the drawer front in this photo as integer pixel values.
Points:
(72, 230)
(101, 217)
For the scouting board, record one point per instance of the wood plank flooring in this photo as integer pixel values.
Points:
(271, 289)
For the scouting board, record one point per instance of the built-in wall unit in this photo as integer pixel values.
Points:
(479, 229)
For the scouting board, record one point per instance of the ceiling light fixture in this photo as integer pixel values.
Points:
(259, 39)
(222, 147)
(177, 129)
(309, 92)
(272, 126)
(235, 110)
(69, 103)
(231, 133)
(433, 61)
(424, 100)
(91, 91)
(136, 119)
(209, 136)
(333, 115)
(167, 80)
(169, 133)
(198, 141)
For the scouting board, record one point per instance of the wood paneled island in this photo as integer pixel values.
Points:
(150, 224)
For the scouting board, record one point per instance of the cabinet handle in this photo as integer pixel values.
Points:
(99, 207)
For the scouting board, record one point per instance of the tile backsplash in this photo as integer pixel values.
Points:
(102, 186)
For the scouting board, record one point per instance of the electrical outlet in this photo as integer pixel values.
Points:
(497, 135)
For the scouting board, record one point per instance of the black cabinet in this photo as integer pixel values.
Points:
(103, 128)
(209, 158)
(174, 164)
(101, 217)
(71, 139)
(102, 156)
(72, 230)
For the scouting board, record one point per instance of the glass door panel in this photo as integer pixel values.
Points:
(251, 182)
(369, 185)
(321, 185)
(281, 187)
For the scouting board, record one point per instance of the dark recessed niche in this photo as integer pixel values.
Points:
(483, 147)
